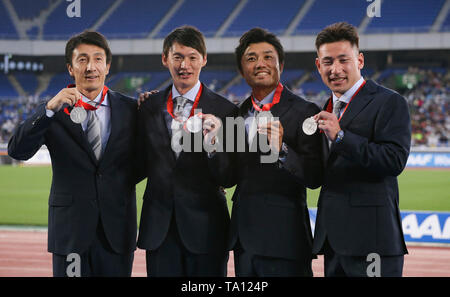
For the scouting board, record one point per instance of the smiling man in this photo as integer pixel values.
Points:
(270, 230)
(90, 132)
(184, 221)
(369, 130)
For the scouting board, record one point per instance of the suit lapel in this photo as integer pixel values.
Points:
(77, 133)
(358, 103)
(278, 110)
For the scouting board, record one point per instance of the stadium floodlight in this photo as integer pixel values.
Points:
(12, 65)
(9, 64)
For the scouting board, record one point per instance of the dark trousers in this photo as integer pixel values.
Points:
(172, 259)
(355, 266)
(98, 260)
(247, 264)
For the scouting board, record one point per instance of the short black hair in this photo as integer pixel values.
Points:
(187, 36)
(257, 35)
(87, 37)
(341, 31)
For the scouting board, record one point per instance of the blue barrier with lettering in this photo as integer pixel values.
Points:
(418, 226)
(427, 159)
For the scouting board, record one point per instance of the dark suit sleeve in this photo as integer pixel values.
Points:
(387, 153)
(306, 156)
(30, 135)
(143, 151)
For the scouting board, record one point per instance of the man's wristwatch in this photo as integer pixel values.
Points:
(339, 136)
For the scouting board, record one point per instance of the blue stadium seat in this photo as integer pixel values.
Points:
(27, 81)
(405, 16)
(60, 26)
(135, 18)
(314, 85)
(217, 79)
(388, 72)
(272, 15)
(7, 29)
(324, 12)
(27, 9)
(157, 78)
(7, 90)
(58, 82)
(206, 15)
(240, 89)
(291, 76)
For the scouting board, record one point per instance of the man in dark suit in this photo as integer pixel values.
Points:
(92, 204)
(358, 220)
(270, 226)
(185, 219)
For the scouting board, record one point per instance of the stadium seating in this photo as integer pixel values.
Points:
(405, 16)
(217, 79)
(27, 10)
(7, 29)
(323, 13)
(57, 82)
(135, 18)
(60, 26)
(7, 90)
(213, 14)
(140, 18)
(28, 81)
(273, 15)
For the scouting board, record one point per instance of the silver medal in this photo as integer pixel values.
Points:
(309, 126)
(194, 124)
(78, 115)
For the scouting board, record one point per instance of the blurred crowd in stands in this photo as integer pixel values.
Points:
(429, 103)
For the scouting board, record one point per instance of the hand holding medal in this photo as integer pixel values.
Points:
(266, 123)
(328, 123)
(68, 96)
(79, 112)
(211, 126)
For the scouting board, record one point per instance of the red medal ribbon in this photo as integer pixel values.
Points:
(194, 106)
(330, 102)
(85, 105)
(268, 106)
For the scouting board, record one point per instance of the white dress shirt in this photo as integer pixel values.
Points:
(250, 121)
(349, 94)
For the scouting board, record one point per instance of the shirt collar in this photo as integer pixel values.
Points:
(350, 92)
(96, 99)
(268, 98)
(190, 95)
